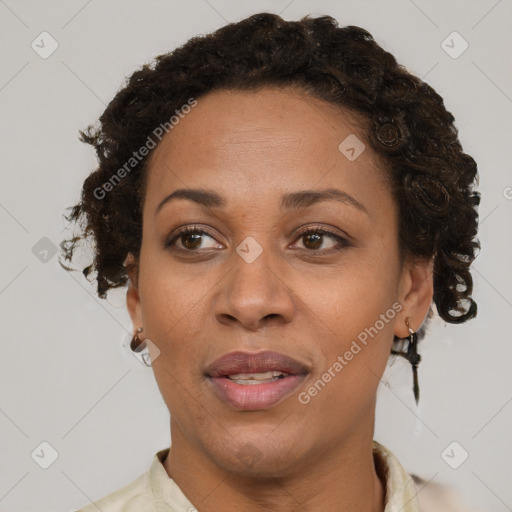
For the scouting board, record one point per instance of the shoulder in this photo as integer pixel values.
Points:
(433, 497)
(134, 497)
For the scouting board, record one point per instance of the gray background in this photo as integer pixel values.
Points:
(67, 377)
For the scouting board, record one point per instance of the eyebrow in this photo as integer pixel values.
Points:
(289, 201)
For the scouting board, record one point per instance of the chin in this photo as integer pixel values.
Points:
(259, 456)
(252, 462)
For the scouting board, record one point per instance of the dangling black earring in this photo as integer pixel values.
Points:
(413, 357)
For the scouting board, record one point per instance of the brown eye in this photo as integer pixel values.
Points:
(190, 239)
(314, 238)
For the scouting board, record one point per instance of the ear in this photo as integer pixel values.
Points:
(132, 294)
(416, 290)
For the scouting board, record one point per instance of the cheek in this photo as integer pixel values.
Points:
(172, 309)
(354, 295)
(361, 327)
(360, 310)
(171, 297)
(355, 356)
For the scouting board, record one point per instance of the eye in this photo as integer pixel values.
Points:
(191, 239)
(313, 239)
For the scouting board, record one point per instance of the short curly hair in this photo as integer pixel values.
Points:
(432, 179)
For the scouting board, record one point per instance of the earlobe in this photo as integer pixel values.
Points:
(416, 293)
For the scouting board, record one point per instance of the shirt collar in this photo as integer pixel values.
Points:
(400, 488)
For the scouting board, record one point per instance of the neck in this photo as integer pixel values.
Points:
(345, 479)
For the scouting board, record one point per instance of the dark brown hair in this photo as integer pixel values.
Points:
(432, 178)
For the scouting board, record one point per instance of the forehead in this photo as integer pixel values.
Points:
(259, 142)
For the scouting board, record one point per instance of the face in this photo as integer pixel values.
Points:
(275, 315)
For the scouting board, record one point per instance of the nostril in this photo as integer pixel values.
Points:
(271, 315)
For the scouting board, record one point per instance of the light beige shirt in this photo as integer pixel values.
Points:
(155, 491)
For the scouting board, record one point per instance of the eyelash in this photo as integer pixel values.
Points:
(312, 229)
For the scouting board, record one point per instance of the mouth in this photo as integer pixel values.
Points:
(254, 381)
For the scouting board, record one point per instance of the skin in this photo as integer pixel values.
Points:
(252, 147)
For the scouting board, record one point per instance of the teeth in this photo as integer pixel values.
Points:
(256, 378)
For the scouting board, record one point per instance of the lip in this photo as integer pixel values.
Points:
(254, 397)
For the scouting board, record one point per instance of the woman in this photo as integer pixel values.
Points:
(285, 203)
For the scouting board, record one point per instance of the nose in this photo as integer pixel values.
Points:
(254, 295)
